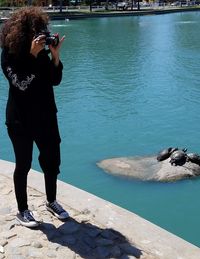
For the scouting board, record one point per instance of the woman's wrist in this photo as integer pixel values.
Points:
(34, 53)
(56, 61)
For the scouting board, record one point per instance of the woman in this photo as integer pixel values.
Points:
(31, 109)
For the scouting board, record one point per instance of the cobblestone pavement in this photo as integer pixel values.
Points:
(78, 237)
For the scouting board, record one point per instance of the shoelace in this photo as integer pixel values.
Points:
(28, 215)
(57, 207)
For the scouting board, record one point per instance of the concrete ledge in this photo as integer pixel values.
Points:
(147, 236)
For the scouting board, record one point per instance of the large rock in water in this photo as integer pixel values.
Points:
(149, 169)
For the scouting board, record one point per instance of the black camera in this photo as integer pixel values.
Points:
(50, 39)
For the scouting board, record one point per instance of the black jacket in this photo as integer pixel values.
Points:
(31, 101)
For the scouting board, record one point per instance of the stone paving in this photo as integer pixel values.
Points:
(78, 237)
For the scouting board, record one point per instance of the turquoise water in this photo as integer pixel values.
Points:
(130, 87)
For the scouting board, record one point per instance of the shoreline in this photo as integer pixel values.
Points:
(88, 233)
(78, 14)
(74, 15)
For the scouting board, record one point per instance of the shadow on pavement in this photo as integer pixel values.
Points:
(90, 241)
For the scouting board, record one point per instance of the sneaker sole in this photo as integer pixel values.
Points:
(56, 215)
(32, 224)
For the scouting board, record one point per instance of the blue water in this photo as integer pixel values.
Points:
(130, 87)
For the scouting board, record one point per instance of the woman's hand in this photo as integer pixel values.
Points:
(55, 51)
(37, 45)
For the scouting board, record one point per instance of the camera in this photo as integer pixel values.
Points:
(50, 39)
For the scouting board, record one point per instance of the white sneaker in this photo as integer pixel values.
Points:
(26, 219)
(57, 210)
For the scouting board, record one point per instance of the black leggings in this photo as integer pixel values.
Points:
(49, 159)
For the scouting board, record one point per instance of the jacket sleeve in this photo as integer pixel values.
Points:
(17, 76)
(52, 73)
(56, 73)
(29, 72)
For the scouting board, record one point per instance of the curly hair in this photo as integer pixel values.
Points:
(18, 31)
